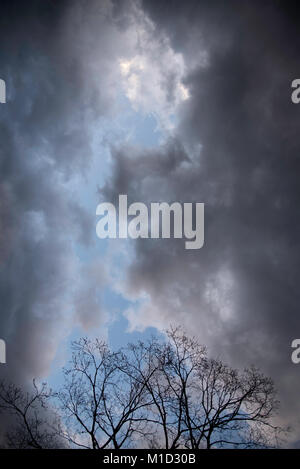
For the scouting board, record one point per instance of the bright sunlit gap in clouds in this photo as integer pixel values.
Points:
(146, 86)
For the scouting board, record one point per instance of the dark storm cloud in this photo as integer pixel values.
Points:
(44, 142)
(237, 151)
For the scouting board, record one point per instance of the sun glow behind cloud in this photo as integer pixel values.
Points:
(152, 89)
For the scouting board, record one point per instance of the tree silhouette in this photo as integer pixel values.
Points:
(30, 425)
(101, 405)
(156, 394)
(200, 402)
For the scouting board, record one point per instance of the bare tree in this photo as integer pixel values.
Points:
(101, 405)
(31, 423)
(199, 402)
(231, 408)
(159, 394)
(166, 370)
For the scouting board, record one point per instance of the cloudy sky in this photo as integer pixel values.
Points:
(163, 101)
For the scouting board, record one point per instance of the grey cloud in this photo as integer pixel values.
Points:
(240, 292)
(45, 142)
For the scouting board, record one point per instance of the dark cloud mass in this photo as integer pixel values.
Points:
(240, 132)
(235, 148)
(44, 144)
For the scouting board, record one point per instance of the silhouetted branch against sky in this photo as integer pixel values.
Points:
(156, 394)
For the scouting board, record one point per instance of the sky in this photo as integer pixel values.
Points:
(162, 101)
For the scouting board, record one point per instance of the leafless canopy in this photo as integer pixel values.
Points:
(160, 394)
